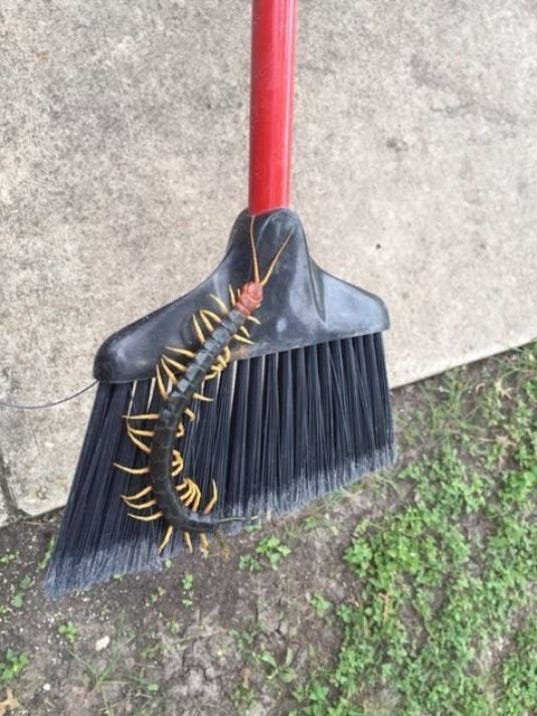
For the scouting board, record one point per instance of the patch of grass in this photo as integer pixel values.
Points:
(8, 557)
(272, 550)
(156, 595)
(68, 631)
(187, 584)
(320, 605)
(277, 670)
(249, 563)
(19, 590)
(519, 673)
(444, 586)
(98, 674)
(269, 552)
(48, 553)
(11, 666)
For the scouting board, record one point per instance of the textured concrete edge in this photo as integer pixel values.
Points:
(9, 511)
(442, 366)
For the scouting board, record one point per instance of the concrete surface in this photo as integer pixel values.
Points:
(123, 164)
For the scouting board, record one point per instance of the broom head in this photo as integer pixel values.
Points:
(301, 411)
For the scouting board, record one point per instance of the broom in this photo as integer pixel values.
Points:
(195, 428)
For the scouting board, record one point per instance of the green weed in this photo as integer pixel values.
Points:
(11, 666)
(187, 584)
(272, 550)
(68, 631)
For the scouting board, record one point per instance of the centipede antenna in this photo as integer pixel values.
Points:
(254, 252)
(276, 258)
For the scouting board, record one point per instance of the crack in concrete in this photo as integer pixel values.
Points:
(14, 513)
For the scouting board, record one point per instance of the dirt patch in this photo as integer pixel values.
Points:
(199, 637)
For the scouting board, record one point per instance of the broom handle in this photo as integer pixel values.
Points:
(271, 103)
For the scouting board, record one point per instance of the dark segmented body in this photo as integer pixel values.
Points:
(171, 414)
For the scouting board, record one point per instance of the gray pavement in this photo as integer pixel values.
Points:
(123, 164)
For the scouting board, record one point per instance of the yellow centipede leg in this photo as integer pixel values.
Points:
(206, 322)
(132, 470)
(242, 339)
(197, 329)
(203, 398)
(142, 433)
(211, 315)
(177, 468)
(197, 500)
(180, 351)
(160, 383)
(140, 494)
(148, 518)
(192, 496)
(212, 502)
(143, 506)
(139, 444)
(143, 416)
(188, 541)
(167, 537)
(204, 545)
(190, 413)
(232, 296)
(174, 363)
(169, 372)
(188, 496)
(219, 303)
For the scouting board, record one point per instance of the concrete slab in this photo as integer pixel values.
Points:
(4, 515)
(124, 135)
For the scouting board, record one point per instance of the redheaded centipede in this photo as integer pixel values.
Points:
(178, 504)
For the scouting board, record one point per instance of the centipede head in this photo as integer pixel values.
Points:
(251, 293)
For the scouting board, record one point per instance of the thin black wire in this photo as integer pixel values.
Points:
(44, 406)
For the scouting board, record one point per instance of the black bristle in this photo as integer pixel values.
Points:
(284, 429)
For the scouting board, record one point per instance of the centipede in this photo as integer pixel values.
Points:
(179, 375)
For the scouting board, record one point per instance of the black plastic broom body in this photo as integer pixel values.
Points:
(296, 406)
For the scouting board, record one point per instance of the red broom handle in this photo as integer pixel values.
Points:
(271, 103)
